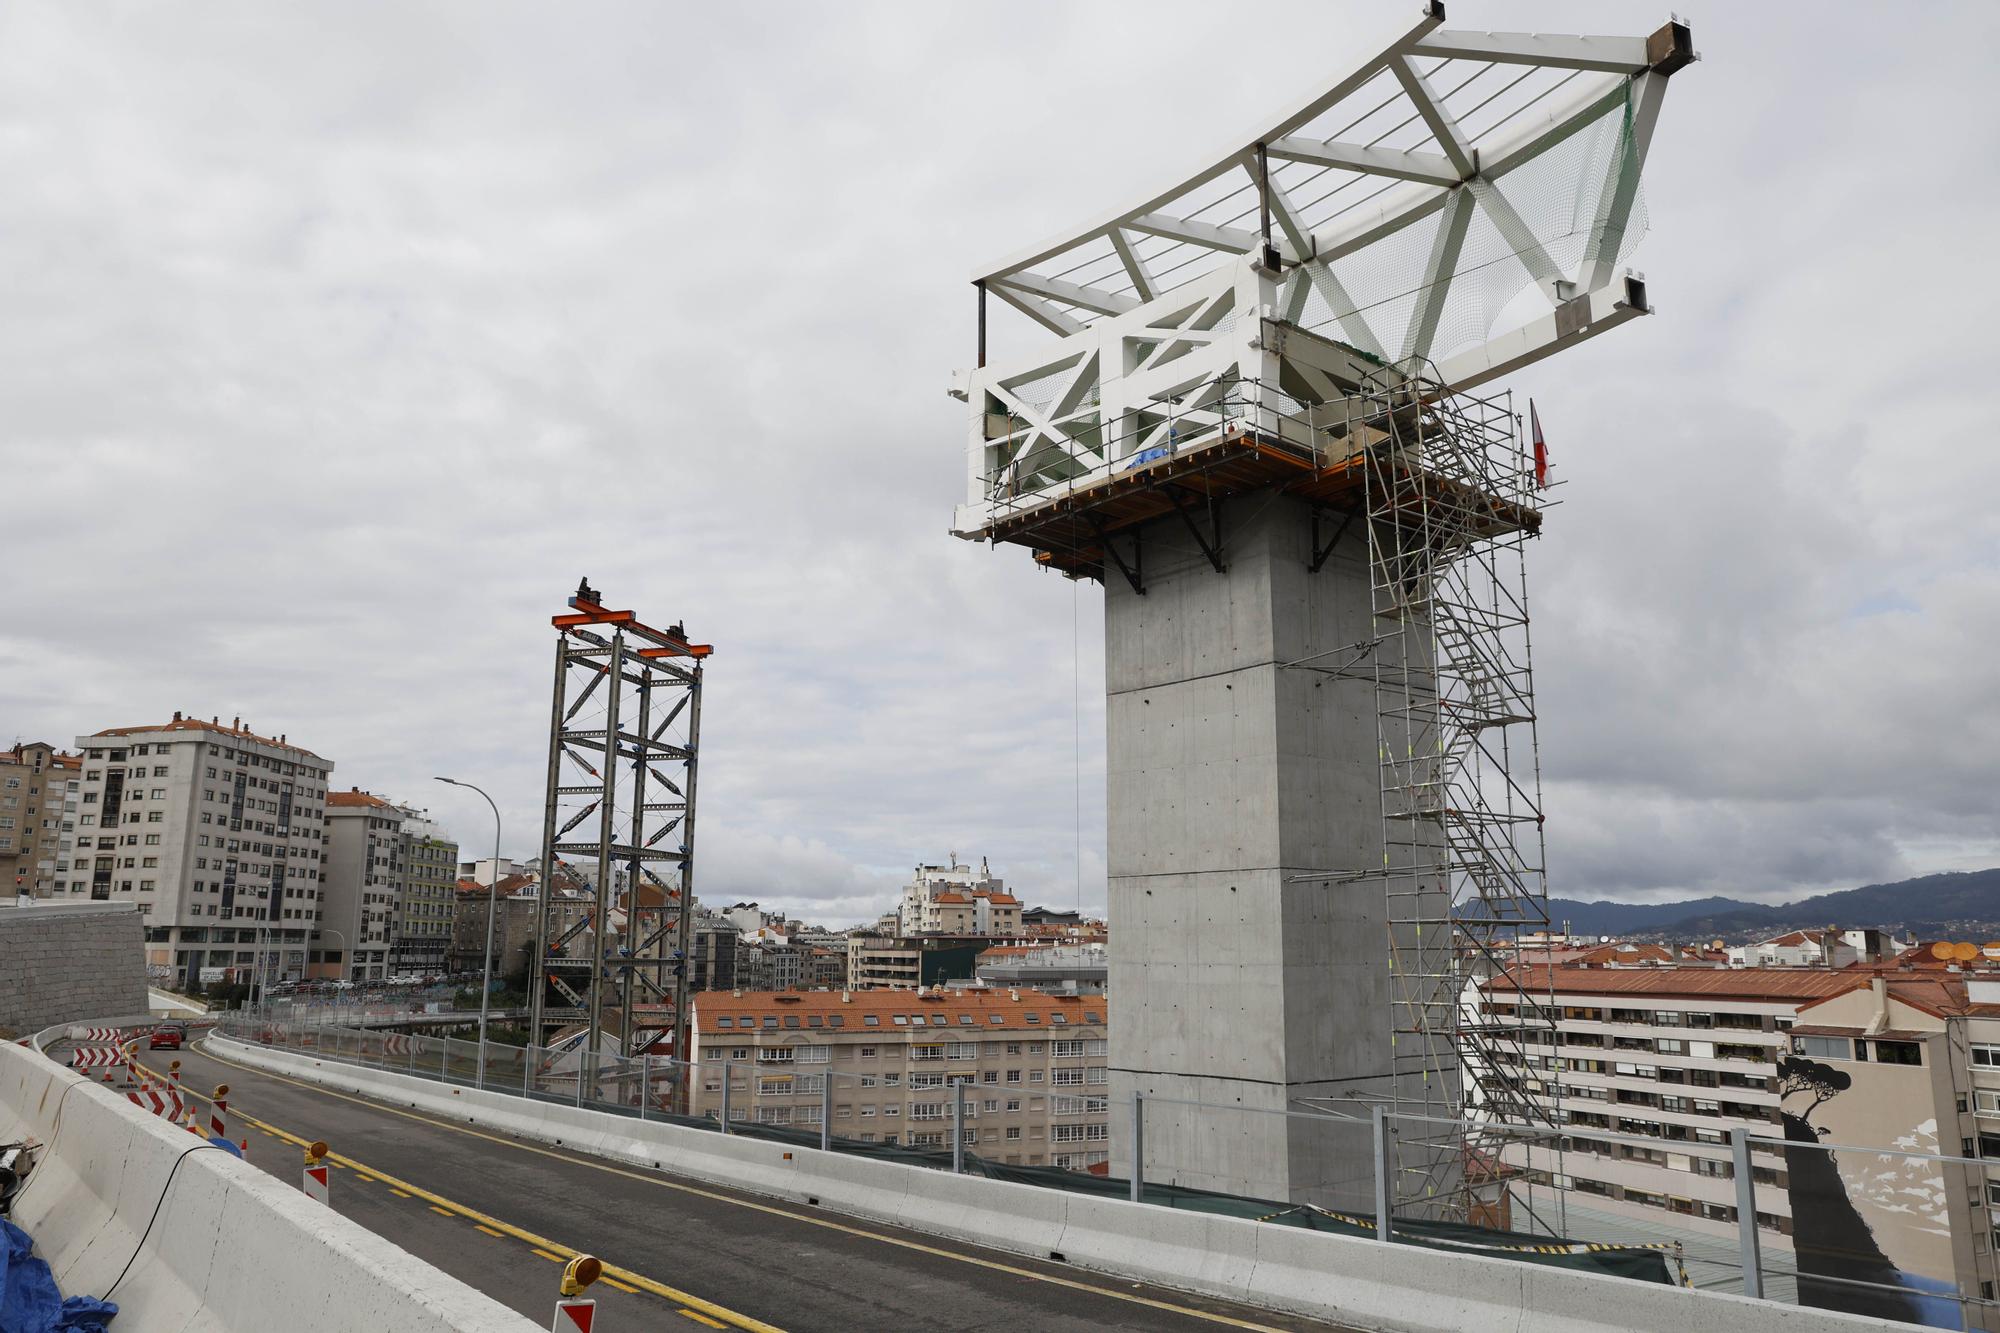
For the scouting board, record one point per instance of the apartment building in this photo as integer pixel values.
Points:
(916, 962)
(214, 832)
(1904, 1057)
(426, 898)
(766, 960)
(34, 780)
(1084, 968)
(1033, 1067)
(1676, 1055)
(364, 879)
(712, 965)
(955, 899)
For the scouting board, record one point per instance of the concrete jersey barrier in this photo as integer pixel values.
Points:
(1357, 1283)
(186, 1238)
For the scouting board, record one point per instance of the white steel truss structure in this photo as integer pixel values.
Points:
(1404, 214)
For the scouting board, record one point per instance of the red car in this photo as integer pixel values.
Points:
(167, 1037)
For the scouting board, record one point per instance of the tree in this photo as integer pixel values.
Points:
(1821, 1081)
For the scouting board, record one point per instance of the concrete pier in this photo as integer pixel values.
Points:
(1229, 774)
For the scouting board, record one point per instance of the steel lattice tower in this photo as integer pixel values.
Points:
(612, 926)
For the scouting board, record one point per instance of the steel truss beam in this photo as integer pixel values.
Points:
(631, 701)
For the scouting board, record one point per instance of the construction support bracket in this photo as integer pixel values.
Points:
(1211, 546)
(1131, 571)
(1321, 554)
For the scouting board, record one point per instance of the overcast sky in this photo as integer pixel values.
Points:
(342, 339)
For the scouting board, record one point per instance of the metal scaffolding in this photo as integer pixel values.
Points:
(612, 929)
(1450, 499)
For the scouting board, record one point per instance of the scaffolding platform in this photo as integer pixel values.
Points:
(1066, 529)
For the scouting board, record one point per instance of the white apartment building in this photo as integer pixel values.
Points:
(1033, 1067)
(487, 869)
(957, 899)
(1678, 1055)
(364, 881)
(214, 831)
(1816, 948)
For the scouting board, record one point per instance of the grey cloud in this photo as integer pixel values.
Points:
(343, 339)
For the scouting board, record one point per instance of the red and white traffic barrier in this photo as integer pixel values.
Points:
(95, 1057)
(218, 1116)
(318, 1181)
(160, 1103)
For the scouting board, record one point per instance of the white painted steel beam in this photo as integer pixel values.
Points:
(1044, 314)
(1069, 293)
(1438, 272)
(1621, 192)
(1135, 264)
(1584, 317)
(1430, 168)
(1431, 108)
(1519, 236)
(1234, 240)
(1615, 55)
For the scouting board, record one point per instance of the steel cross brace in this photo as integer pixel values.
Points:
(1211, 549)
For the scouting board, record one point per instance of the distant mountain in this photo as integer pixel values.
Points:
(1959, 904)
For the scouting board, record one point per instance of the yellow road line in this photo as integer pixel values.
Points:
(481, 1226)
(701, 1318)
(399, 1194)
(992, 1265)
(614, 1282)
(541, 1245)
(446, 1211)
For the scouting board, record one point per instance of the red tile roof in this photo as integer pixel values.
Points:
(1939, 996)
(355, 798)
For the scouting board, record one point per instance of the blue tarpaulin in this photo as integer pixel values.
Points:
(29, 1301)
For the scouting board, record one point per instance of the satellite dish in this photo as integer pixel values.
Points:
(1715, 944)
(1942, 951)
(1964, 951)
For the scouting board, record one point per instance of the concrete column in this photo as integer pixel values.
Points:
(1227, 776)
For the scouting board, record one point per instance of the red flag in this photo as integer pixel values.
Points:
(1541, 448)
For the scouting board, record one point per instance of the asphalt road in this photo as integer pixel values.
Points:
(503, 1214)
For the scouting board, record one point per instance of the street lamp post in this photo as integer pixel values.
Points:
(486, 968)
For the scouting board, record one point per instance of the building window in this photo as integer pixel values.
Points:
(1899, 1052)
(1825, 1048)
